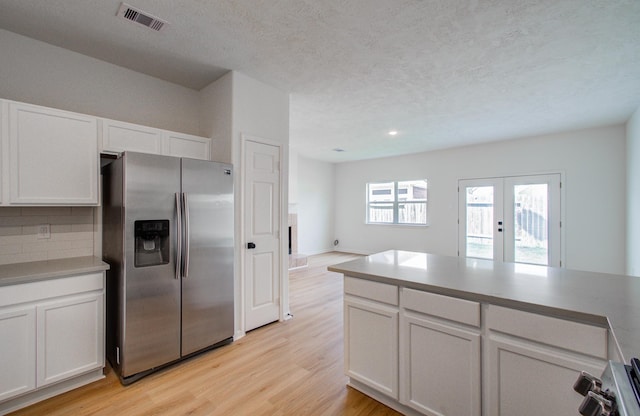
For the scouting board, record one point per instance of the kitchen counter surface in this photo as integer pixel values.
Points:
(596, 298)
(11, 274)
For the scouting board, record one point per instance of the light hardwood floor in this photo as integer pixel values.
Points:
(285, 368)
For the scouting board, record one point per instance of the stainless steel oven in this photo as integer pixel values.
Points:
(615, 393)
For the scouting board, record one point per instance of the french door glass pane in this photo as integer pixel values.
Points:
(479, 208)
(531, 217)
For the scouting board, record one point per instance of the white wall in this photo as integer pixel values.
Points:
(38, 73)
(315, 206)
(259, 110)
(633, 195)
(593, 164)
(293, 180)
(248, 107)
(216, 117)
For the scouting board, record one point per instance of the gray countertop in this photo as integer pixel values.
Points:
(11, 274)
(597, 298)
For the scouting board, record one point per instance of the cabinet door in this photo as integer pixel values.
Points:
(440, 367)
(4, 148)
(184, 145)
(119, 137)
(371, 344)
(70, 337)
(17, 351)
(528, 379)
(53, 156)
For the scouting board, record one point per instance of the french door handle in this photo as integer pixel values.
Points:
(251, 245)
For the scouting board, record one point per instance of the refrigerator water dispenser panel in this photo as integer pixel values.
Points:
(151, 242)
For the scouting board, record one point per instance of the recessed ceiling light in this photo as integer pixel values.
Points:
(337, 149)
(393, 132)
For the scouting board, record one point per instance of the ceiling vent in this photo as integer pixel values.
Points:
(136, 15)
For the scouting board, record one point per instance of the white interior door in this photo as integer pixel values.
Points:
(262, 234)
(514, 219)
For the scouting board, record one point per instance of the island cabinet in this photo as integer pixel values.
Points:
(118, 136)
(51, 337)
(50, 157)
(440, 354)
(423, 353)
(371, 334)
(533, 360)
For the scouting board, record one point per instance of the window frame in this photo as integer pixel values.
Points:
(396, 203)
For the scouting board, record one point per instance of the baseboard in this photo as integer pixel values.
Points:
(49, 391)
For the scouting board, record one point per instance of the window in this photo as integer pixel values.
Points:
(398, 202)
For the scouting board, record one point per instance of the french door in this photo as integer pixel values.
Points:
(512, 219)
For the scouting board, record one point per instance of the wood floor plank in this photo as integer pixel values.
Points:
(285, 368)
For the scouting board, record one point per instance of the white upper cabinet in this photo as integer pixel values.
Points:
(4, 148)
(52, 157)
(185, 145)
(118, 136)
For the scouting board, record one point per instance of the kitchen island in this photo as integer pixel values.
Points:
(431, 334)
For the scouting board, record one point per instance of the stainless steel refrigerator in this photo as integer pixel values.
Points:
(168, 235)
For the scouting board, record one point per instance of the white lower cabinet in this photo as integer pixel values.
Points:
(70, 338)
(533, 360)
(51, 338)
(526, 379)
(371, 335)
(17, 351)
(440, 359)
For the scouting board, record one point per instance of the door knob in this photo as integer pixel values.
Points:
(251, 245)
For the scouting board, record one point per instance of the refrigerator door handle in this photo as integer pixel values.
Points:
(185, 210)
(178, 235)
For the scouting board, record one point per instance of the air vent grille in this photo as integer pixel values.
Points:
(138, 16)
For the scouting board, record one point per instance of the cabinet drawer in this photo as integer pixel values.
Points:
(573, 336)
(377, 291)
(45, 289)
(454, 309)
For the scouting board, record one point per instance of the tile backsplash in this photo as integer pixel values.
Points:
(72, 233)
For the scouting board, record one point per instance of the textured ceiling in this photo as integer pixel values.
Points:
(443, 73)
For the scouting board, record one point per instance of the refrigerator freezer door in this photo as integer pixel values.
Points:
(207, 290)
(151, 332)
